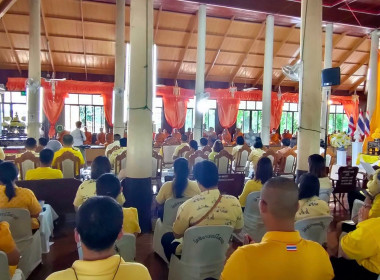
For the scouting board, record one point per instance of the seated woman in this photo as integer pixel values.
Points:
(256, 153)
(8, 246)
(317, 167)
(263, 173)
(218, 146)
(87, 189)
(180, 187)
(310, 205)
(193, 148)
(12, 196)
(109, 185)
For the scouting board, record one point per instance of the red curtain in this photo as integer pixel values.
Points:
(175, 109)
(276, 111)
(52, 108)
(227, 111)
(107, 100)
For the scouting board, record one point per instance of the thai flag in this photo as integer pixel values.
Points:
(291, 248)
(351, 126)
(361, 125)
(367, 126)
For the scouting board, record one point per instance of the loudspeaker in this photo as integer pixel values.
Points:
(331, 77)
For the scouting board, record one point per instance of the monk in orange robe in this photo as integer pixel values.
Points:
(109, 137)
(275, 138)
(100, 138)
(286, 134)
(236, 135)
(61, 134)
(226, 137)
(176, 134)
(189, 134)
(159, 138)
(166, 134)
(88, 137)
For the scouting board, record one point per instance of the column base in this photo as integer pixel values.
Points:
(299, 173)
(138, 193)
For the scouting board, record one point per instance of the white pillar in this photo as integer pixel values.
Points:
(372, 82)
(34, 70)
(328, 64)
(200, 75)
(139, 158)
(120, 64)
(267, 80)
(310, 82)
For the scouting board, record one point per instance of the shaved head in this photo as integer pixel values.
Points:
(280, 195)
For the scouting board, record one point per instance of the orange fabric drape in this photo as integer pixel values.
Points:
(107, 101)
(175, 109)
(52, 108)
(227, 111)
(276, 111)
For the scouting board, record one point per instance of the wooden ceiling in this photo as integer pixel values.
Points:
(79, 37)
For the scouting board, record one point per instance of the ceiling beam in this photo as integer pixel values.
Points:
(15, 56)
(83, 38)
(193, 23)
(355, 85)
(220, 47)
(47, 36)
(357, 66)
(5, 6)
(157, 23)
(354, 47)
(240, 64)
(282, 44)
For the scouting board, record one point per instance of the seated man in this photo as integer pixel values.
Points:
(275, 138)
(8, 246)
(109, 185)
(204, 142)
(100, 137)
(88, 136)
(99, 223)
(225, 209)
(109, 137)
(123, 147)
(282, 253)
(61, 134)
(236, 135)
(178, 148)
(176, 134)
(30, 146)
(285, 147)
(45, 171)
(42, 142)
(68, 147)
(115, 143)
(226, 137)
(189, 134)
(159, 138)
(239, 144)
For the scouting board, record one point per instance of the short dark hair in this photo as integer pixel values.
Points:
(123, 142)
(317, 166)
(264, 170)
(100, 166)
(43, 141)
(193, 144)
(67, 140)
(240, 140)
(218, 146)
(184, 137)
(258, 144)
(46, 156)
(108, 185)
(30, 143)
(206, 173)
(116, 137)
(285, 142)
(203, 141)
(99, 221)
(309, 186)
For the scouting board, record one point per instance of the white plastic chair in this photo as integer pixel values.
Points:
(324, 194)
(28, 244)
(315, 228)
(167, 152)
(203, 254)
(253, 223)
(4, 275)
(356, 207)
(162, 227)
(127, 247)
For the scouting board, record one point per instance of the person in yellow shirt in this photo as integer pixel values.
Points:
(256, 153)
(101, 165)
(360, 250)
(317, 167)
(45, 171)
(68, 141)
(2, 155)
(310, 205)
(239, 144)
(8, 246)
(178, 148)
(42, 142)
(123, 148)
(236, 135)
(282, 253)
(30, 146)
(285, 147)
(180, 187)
(193, 148)
(263, 173)
(226, 209)
(99, 223)
(218, 146)
(12, 196)
(109, 185)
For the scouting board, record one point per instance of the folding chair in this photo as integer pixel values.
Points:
(315, 228)
(223, 161)
(26, 162)
(240, 163)
(346, 183)
(253, 223)
(4, 275)
(69, 164)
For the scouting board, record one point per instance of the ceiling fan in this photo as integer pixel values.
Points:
(293, 71)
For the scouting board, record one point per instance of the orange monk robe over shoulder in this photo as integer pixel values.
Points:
(159, 139)
(226, 138)
(101, 138)
(88, 138)
(177, 135)
(236, 135)
(61, 134)
(109, 138)
(275, 138)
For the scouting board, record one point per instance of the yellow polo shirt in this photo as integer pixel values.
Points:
(374, 212)
(115, 153)
(103, 270)
(312, 207)
(166, 191)
(131, 220)
(255, 155)
(250, 186)
(235, 150)
(88, 189)
(178, 148)
(43, 173)
(211, 156)
(363, 244)
(280, 255)
(75, 152)
(7, 243)
(25, 199)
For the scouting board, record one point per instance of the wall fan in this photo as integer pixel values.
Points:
(293, 71)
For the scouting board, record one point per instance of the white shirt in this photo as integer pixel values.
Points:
(110, 146)
(78, 136)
